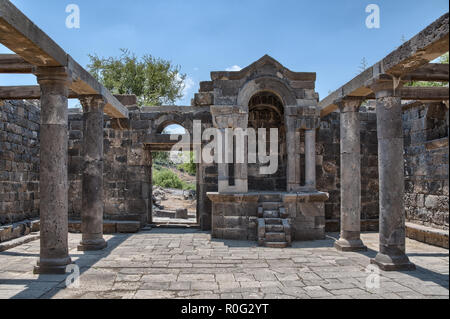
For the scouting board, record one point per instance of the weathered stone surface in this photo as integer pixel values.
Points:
(181, 214)
(128, 227)
(19, 161)
(54, 256)
(92, 183)
(392, 186)
(350, 177)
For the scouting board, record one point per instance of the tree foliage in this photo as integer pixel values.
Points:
(168, 179)
(153, 80)
(189, 167)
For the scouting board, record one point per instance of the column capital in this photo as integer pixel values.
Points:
(229, 116)
(92, 102)
(57, 74)
(349, 103)
(386, 88)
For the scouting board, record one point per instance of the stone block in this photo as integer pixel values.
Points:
(128, 227)
(181, 214)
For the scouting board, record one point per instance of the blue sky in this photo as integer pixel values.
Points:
(323, 36)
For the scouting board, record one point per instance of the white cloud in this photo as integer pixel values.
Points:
(188, 85)
(233, 68)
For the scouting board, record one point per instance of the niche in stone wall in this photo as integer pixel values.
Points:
(436, 122)
(266, 111)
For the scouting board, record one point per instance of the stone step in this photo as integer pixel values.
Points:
(273, 221)
(276, 244)
(271, 214)
(270, 198)
(275, 237)
(271, 205)
(274, 228)
(283, 213)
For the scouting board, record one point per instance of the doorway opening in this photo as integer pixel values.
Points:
(174, 182)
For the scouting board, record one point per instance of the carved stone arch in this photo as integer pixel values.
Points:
(268, 84)
(173, 119)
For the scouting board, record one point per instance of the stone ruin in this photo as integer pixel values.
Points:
(341, 162)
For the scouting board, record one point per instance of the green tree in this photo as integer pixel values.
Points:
(190, 167)
(153, 80)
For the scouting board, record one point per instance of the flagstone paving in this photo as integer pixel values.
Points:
(183, 263)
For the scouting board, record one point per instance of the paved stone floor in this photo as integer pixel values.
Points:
(177, 263)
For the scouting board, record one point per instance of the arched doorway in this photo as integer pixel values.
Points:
(266, 111)
(174, 176)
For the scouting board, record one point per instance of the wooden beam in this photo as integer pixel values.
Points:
(13, 63)
(22, 36)
(25, 92)
(427, 94)
(427, 45)
(85, 84)
(429, 72)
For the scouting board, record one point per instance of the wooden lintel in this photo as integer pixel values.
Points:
(13, 63)
(25, 92)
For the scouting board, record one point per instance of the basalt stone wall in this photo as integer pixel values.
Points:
(19, 161)
(328, 169)
(426, 165)
(127, 169)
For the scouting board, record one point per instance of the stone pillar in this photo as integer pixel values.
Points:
(293, 172)
(350, 239)
(92, 183)
(310, 159)
(54, 253)
(392, 255)
(231, 121)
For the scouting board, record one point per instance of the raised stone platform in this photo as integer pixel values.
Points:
(109, 226)
(428, 235)
(235, 216)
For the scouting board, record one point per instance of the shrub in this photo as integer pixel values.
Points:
(168, 179)
(190, 168)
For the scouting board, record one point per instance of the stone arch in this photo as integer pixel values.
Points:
(172, 119)
(266, 110)
(266, 84)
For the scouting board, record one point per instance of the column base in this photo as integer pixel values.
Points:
(92, 245)
(52, 266)
(393, 263)
(350, 245)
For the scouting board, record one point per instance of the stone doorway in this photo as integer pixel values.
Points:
(174, 181)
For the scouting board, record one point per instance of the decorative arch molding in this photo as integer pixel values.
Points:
(172, 119)
(267, 84)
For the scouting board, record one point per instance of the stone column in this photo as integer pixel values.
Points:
(54, 253)
(392, 255)
(310, 159)
(92, 184)
(350, 239)
(293, 153)
(231, 121)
